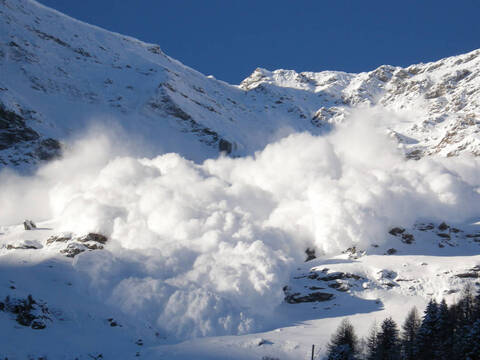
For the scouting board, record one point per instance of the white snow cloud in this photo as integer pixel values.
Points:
(199, 247)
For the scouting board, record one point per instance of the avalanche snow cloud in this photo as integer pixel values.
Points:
(199, 249)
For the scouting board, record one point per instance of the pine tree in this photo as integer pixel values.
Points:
(462, 314)
(425, 345)
(472, 342)
(372, 343)
(444, 333)
(476, 307)
(388, 341)
(466, 306)
(409, 334)
(344, 343)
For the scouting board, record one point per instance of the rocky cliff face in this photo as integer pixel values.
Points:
(58, 74)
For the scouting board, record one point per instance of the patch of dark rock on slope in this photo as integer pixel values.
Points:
(77, 245)
(15, 132)
(29, 313)
(317, 296)
(13, 129)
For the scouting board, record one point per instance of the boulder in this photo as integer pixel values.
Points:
(29, 225)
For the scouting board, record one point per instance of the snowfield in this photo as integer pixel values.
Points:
(148, 211)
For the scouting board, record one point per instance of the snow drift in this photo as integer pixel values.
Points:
(200, 249)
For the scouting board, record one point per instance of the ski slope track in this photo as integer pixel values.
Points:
(149, 211)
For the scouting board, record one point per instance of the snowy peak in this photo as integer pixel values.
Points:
(61, 74)
(443, 95)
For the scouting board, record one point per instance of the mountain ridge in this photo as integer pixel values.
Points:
(55, 62)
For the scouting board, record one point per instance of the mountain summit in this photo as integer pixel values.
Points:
(59, 75)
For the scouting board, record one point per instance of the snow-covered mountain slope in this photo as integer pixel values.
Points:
(58, 75)
(439, 101)
(138, 251)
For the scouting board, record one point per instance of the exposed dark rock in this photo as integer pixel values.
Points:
(316, 288)
(59, 238)
(391, 251)
(48, 149)
(29, 225)
(473, 235)
(416, 154)
(443, 226)
(443, 235)
(407, 238)
(310, 254)
(170, 107)
(468, 275)
(225, 146)
(339, 286)
(155, 49)
(93, 246)
(113, 322)
(425, 227)
(46, 36)
(396, 231)
(317, 296)
(73, 249)
(99, 238)
(386, 274)
(13, 129)
(472, 273)
(38, 325)
(77, 245)
(28, 312)
(338, 276)
(353, 253)
(21, 247)
(82, 52)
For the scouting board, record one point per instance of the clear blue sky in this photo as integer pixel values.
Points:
(230, 38)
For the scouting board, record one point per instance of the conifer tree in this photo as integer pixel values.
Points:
(344, 343)
(462, 314)
(443, 333)
(476, 307)
(371, 343)
(471, 350)
(388, 341)
(424, 344)
(409, 334)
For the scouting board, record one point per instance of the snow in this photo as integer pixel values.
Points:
(198, 250)
(62, 75)
(203, 248)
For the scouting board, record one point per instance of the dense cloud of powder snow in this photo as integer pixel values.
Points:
(200, 249)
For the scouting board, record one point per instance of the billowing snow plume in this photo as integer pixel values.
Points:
(201, 249)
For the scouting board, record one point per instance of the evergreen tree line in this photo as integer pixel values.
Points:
(444, 332)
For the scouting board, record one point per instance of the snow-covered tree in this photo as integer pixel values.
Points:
(344, 343)
(425, 344)
(388, 341)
